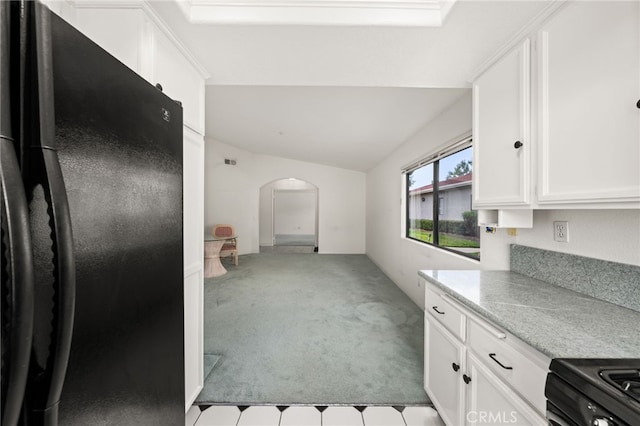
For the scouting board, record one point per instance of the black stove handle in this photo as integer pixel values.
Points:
(556, 420)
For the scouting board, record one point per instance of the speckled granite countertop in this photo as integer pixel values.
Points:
(558, 322)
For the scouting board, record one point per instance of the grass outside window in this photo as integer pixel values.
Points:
(439, 210)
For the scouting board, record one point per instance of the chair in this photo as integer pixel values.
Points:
(230, 247)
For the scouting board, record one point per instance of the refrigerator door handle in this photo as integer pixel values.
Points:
(20, 282)
(17, 273)
(48, 388)
(19, 257)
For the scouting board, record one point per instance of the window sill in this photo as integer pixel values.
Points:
(430, 246)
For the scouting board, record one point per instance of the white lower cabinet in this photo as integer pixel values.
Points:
(484, 376)
(193, 218)
(444, 356)
(491, 402)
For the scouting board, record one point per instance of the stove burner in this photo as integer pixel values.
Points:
(628, 381)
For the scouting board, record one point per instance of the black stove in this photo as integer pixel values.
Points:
(627, 381)
(594, 392)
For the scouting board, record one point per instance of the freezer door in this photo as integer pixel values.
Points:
(119, 144)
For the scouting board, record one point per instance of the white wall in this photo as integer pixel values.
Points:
(604, 234)
(612, 235)
(399, 257)
(266, 205)
(294, 212)
(232, 196)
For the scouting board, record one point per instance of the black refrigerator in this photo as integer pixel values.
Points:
(91, 244)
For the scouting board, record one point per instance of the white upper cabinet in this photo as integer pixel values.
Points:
(589, 84)
(127, 44)
(501, 122)
(63, 8)
(575, 110)
(179, 79)
(131, 33)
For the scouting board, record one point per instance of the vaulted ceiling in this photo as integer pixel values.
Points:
(347, 127)
(343, 94)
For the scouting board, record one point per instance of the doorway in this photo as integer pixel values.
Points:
(289, 216)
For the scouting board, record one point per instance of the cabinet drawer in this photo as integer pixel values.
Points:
(445, 313)
(513, 365)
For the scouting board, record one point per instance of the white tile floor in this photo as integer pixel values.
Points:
(311, 416)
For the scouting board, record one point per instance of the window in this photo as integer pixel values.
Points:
(438, 209)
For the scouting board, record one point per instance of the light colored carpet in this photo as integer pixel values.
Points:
(210, 361)
(287, 249)
(300, 329)
(295, 240)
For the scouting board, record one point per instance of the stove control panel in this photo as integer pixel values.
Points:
(602, 421)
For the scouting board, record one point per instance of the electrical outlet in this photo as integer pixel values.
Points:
(561, 231)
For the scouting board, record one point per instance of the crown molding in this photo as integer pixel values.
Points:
(517, 38)
(153, 16)
(166, 29)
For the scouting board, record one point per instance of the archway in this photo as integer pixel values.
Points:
(288, 216)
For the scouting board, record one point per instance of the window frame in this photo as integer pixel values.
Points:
(435, 161)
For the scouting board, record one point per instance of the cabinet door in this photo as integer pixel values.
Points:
(501, 122)
(524, 368)
(63, 9)
(441, 380)
(491, 402)
(589, 64)
(193, 213)
(127, 43)
(179, 79)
